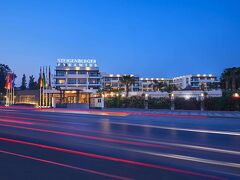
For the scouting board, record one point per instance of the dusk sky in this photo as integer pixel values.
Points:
(161, 38)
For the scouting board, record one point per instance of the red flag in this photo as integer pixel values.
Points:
(8, 82)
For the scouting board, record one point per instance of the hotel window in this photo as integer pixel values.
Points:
(93, 81)
(71, 81)
(93, 74)
(114, 84)
(107, 79)
(60, 73)
(82, 72)
(115, 78)
(72, 72)
(60, 81)
(82, 81)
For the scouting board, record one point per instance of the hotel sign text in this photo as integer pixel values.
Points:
(83, 61)
(77, 62)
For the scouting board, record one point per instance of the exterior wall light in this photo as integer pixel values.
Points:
(236, 95)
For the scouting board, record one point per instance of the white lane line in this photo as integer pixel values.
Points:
(189, 158)
(182, 129)
(203, 148)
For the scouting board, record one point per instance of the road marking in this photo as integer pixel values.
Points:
(181, 129)
(190, 158)
(65, 165)
(204, 148)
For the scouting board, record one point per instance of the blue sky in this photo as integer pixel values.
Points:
(151, 38)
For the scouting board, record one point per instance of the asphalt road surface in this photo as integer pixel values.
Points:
(69, 145)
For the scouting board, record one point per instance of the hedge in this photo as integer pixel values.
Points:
(212, 103)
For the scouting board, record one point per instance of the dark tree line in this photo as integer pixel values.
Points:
(230, 79)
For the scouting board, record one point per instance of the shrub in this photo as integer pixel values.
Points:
(159, 103)
(226, 103)
(187, 104)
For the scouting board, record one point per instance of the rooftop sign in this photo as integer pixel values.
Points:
(77, 62)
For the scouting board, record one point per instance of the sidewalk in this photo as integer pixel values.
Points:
(216, 114)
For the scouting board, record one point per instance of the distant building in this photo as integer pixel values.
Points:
(114, 81)
(186, 82)
(196, 82)
(147, 84)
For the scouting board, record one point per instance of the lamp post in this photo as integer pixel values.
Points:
(172, 102)
(202, 101)
(146, 101)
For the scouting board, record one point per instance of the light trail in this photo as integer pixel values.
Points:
(65, 165)
(17, 122)
(83, 136)
(127, 140)
(97, 156)
(231, 133)
(150, 143)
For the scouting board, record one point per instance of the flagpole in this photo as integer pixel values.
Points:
(7, 100)
(10, 95)
(40, 87)
(12, 87)
(46, 87)
(13, 93)
(43, 97)
(43, 85)
(49, 85)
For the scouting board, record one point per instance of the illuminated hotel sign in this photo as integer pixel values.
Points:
(77, 62)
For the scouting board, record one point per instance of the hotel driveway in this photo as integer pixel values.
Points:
(64, 144)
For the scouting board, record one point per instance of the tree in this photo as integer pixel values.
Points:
(24, 82)
(170, 88)
(32, 83)
(127, 80)
(213, 86)
(202, 86)
(159, 86)
(230, 79)
(4, 69)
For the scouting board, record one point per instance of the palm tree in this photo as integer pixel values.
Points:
(158, 85)
(230, 79)
(170, 88)
(105, 90)
(127, 80)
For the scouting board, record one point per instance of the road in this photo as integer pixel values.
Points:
(49, 144)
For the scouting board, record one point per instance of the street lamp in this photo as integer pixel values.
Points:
(146, 101)
(172, 102)
(202, 101)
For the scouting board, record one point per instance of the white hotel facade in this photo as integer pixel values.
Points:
(76, 79)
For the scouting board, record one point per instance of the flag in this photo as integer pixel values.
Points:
(13, 80)
(43, 79)
(9, 79)
(7, 82)
(40, 78)
(46, 84)
(49, 76)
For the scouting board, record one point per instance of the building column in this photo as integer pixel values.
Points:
(78, 96)
(61, 97)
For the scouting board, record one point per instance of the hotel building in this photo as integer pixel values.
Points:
(114, 81)
(195, 81)
(147, 84)
(76, 79)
